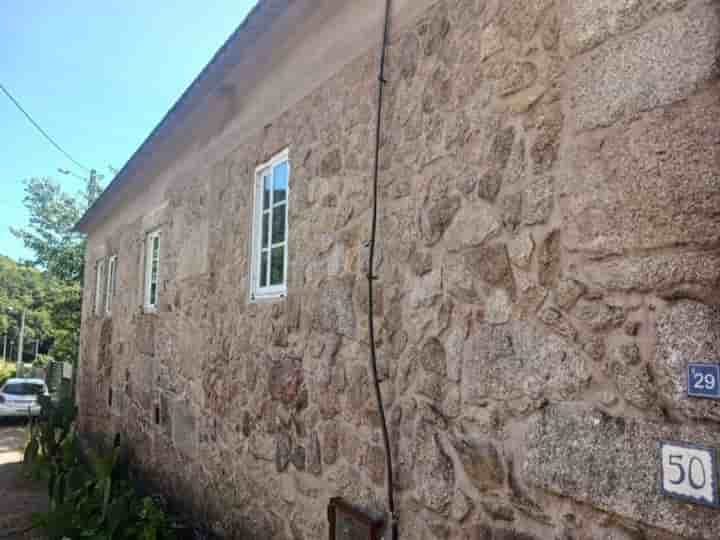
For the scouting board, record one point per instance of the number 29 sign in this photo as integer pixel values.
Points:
(689, 472)
(703, 380)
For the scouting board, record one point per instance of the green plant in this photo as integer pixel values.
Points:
(42, 360)
(7, 371)
(91, 492)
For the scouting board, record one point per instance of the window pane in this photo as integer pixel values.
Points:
(264, 268)
(152, 270)
(110, 289)
(277, 266)
(265, 229)
(278, 227)
(280, 181)
(100, 279)
(266, 191)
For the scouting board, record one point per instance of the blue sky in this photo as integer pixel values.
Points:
(98, 76)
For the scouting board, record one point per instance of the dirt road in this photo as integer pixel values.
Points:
(19, 498)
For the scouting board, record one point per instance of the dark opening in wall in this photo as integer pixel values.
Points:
(157, 414)
(110, 396)
(348, 523)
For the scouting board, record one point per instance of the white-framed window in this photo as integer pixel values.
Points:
(111, 284)
(99, 282)
(270, 228)
(152, 270)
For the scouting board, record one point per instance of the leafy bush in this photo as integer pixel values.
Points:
(91, 493)
(7, 371)
(42, 360)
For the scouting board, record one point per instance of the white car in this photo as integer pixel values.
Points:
(19, 397)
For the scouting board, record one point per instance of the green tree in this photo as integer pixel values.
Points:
(49, 235)
(24, 288)
(58, 260)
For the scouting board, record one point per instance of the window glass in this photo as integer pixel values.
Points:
(152, 269)
(278, 226)
(280, 182)
(110, 288)
(264, 268)
(99, 283)
(277, 266)
(271, 228)
(265, 229)
(266, 190)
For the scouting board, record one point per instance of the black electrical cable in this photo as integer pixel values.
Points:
(40, 129)
(371, 277)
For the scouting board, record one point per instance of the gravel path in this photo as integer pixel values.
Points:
(19, 497)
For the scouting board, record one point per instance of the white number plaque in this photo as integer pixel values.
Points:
(689, 472)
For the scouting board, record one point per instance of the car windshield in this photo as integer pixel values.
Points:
(23, 389)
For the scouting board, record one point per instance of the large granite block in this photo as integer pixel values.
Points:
(649, 68)
(612, 464)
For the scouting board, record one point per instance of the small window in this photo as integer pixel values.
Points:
(152, 269)
(99, 282)
(270, 228)
(111, 284)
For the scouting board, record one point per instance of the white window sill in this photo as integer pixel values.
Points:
(268, 298)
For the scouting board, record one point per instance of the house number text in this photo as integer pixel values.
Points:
(689, 472)
(703, 380)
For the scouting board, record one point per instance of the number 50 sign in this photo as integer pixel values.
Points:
(689, 472)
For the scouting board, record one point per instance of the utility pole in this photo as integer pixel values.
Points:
(20, 344)
(92, 184)
(93, 188)
(37, 346)
(5, 348)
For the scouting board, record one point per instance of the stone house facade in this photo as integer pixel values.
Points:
(548, 265)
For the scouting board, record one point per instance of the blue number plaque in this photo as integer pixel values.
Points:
(703, 380)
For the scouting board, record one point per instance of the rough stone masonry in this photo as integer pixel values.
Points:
(549, 263)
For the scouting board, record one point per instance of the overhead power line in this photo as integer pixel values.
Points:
(40, 129)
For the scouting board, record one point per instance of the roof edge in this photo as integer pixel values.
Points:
(94, 211)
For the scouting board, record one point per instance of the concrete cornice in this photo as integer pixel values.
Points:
(281, 52)
(259, 19)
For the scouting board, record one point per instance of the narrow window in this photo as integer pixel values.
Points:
(152, 269)
(99, 282)
(111, 284)
(270, 228)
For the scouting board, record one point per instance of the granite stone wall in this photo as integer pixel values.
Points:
(549, 261)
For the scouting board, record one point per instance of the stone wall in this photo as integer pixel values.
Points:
(549, 262)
